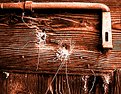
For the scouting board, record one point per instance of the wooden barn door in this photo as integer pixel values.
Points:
(32, 44)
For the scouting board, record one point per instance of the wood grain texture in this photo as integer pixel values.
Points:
(3, 83)
(20, 84)
(80, 29)
(19, 44)
(117, 84)
(19, 51)
(38, 84)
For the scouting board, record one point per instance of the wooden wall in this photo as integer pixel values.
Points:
(79, 29)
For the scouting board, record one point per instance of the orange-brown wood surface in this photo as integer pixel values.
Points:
(79, 30)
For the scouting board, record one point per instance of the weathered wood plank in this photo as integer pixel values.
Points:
(19, 46)
(77, 84)
(74, 31)
(38, 84)
(25, 59)
(16, 84)
(32, 83)
(43, 83)
(3, 84)
(21, 83)
(117, 84)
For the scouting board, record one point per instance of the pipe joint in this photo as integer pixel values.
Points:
(28, 5)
